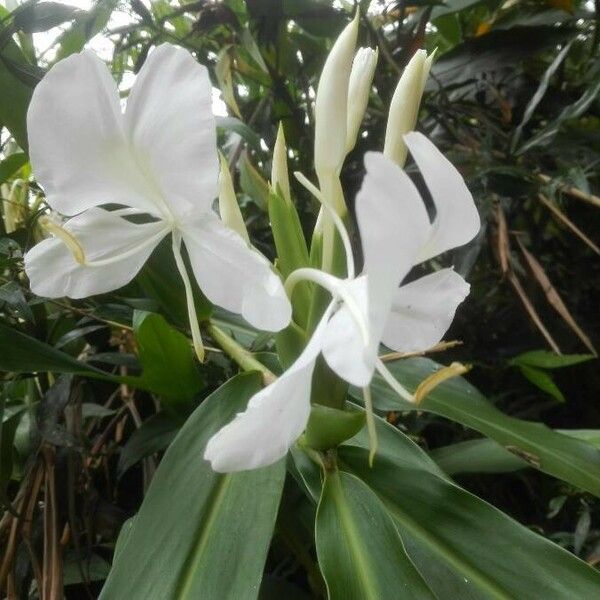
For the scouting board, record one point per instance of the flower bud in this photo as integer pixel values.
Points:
(361, 78)
(229, 208)
(404, 108)
(331, 104)
(279, 172)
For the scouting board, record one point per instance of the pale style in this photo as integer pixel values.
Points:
(157, 161)
(374, 307)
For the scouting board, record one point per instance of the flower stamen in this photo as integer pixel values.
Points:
(70, 241)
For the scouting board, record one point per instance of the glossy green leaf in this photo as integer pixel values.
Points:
(167, 359)
(569, 459)
(200, 534)
(462, 546)
(360, 553)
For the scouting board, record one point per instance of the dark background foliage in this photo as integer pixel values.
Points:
(512, 100)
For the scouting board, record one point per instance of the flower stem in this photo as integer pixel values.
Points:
(244, 358)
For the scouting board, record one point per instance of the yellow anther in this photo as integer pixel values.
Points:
(70, 241)
(428, 385)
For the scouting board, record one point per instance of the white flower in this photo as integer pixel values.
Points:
(396, 234)
(158, 159)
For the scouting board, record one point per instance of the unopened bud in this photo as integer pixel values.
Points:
(404, 108)
(279, 172)
(331, 104)
(361, 78)
(229, 209)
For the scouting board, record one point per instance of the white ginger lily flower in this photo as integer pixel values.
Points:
(158, 159)
(396, 234)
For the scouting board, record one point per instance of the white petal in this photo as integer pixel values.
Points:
(234, 275)
(457, 220)
(423, 311)
(53, 271)
(76, 142)
(172, 129)
(393, 226)
(344, 348)
(274, 419)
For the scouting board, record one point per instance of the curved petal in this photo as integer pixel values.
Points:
(423, 310)
(76, 142)
(172, 129)
(274, 419)
(54, 273)
(235, 276)
(393, 227)
(344, 348)
(457, 220)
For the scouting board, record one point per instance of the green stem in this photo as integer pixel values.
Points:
(244, 358)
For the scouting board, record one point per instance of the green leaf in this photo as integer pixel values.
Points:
(543, 381)
(11, 164)
(539, 94)
(12, 294)
(486, 456)
(154, 434)
(549, 360)
(85, 27)
(35, 18)
(571, 460)
(253, 183)
(360, 553)
(328, 427)
(462, 546)
(200, 534)
(167, 359)
(232, 124)
(16, 94)
(292, 252)
(24, 354)
(572, 111)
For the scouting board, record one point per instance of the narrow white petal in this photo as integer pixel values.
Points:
(423, 310)
(171, 126)
(274, 419)
(344, 348)
(393, 226)
(76, 141)
(235, 276)
(457, 220)
(53, 271)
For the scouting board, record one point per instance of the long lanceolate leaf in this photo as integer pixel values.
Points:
(565, 457)
(360, 552)
(460, 545)
(200, 534)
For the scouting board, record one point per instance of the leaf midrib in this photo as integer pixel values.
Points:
(191, 565)
(370, 592)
